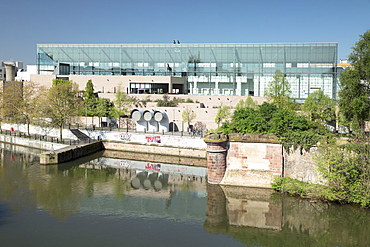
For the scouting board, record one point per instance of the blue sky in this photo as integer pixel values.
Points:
(26, 23)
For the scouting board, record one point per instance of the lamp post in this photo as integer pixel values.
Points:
(173, 122)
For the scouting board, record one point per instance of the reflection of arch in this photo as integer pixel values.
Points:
(173, 127)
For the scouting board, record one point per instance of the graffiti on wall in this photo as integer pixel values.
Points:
(125, 136)
(153, 139)
(153, 167)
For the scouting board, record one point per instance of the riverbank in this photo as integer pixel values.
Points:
(154, 147)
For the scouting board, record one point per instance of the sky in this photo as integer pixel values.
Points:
(26, 23)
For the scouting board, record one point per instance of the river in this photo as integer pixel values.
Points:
(101, 201)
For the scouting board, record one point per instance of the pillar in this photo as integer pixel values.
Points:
(195, 88)
(216, 90)
(238, 87)
(216, 157)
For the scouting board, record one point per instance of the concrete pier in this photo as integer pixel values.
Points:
(69, 153)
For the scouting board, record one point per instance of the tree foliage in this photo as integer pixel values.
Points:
(62, 103)
(289, 127)
(124, 103)
(354, 97)
(347, 170)
(188, 116)
(279, 91)
(320, 107)
(248, 102)
(91, 99)
(223, 114)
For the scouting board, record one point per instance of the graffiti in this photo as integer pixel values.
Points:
(125, 136)
(154, 167)
(125, 163)
(153, 139)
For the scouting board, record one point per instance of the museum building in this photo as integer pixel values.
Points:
(198, 69)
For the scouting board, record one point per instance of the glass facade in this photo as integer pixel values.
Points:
(218, 69)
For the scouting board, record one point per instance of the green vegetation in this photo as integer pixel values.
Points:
(223, 114)
(296, 187)
(188, 116)
(62, 103)
(279, 91)
(292, 129)
(248, 102)
(320, 107)
(346, 169)
(166, 101)
(354, 100)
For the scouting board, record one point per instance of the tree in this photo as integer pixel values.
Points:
(320, 107)
(12, 95)
(124, 103)
(279, 91)
(90, 99)
(104, 108)
(62, 103)
(354, 98)
(223, 114)
(188, 115)
(248, 102)
(27, 106)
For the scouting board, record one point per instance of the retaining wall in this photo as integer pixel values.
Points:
(70, 153)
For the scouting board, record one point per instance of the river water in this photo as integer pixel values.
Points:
(99, 201)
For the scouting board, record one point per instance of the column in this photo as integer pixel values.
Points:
(238, 91)
(216, 90)
(195, 88)
(216, 157)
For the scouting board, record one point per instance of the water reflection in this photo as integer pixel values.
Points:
(122, 188)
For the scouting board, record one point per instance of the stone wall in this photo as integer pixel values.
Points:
(302, 166)
(254, 160)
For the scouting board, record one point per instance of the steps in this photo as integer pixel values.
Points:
(81, 136)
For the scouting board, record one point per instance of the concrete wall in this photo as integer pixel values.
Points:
(155, 149)
(27, 142)
(109, 83)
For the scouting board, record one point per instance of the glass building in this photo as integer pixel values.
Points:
(210, 69)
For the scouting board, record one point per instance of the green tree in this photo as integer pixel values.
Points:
(354, 98)
(104, 108)
(347, 170)
(248, 102)
(62, 103)
(223, 114)
(279, 91)
(320, 107)
(91, 99)
(188, 116)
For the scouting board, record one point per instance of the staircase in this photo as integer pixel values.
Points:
(81, 136)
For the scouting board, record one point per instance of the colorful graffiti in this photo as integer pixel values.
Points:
(153, 139)
(153, 167)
